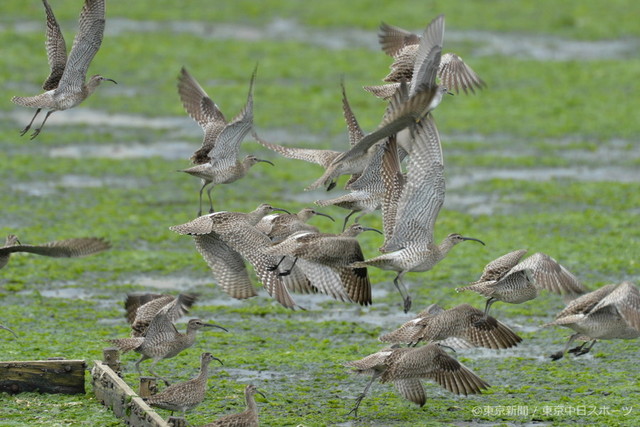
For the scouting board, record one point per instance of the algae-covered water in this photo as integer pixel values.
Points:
(546, 158)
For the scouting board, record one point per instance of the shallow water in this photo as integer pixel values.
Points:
(517, 45)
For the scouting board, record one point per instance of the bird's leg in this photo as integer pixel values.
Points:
(287, 272)
(403, 292)
(153, 365)
(204, 184)
(346, 218)
(25, 130)
(210, 200)
(37, 131)
(559, 354)
(138, 364)
(488, 306)
(275, 267)
(580, 350)
(362, 395)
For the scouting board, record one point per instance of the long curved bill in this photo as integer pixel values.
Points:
(324, 214)
(474, 239)
(212, 325)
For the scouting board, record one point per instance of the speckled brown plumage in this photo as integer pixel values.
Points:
(246, 418)
(611, 312)
(185, 396)
(141, 308)
(65, 87)
(505, 279)
(406, 367)
(68, 248)
(462, 322)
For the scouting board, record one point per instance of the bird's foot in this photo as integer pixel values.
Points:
(557, 355)
(354, 411)
(35, 133)
(579, 351)
(25, 130)
(407, 304)
(284, 273)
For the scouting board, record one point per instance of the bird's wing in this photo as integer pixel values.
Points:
(425, 69)
(585, 303)
(626, 299)
(225, 152)
(402, 112)
(56, 50)
(454, 74)
(196, 102)
(353, 128)
(411, 389)
(424, 189)
(550, 275)
(497, 268)
(85, 44)
(67, 248)
(392, 39)
(226, 264)
(393, 181)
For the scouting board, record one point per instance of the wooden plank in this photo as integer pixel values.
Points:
(44, 376)
(115, 394)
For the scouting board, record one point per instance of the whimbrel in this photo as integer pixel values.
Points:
(162, 340)
(187, 395)
(467, 325)
(325, 259)
(279, 226)
(225, 240)
(216, 162)
(505, 279)
(611, 312)
(65, 87)
(247, 418)
(68, 248)
(410, 210)
(404, 47)
(142, 308)
(10, 330)
(405, 367)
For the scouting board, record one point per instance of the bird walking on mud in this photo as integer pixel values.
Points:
(66, 87)
(185, 396)
(216, 162)
(246, 418)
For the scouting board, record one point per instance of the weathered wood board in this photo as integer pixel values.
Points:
(44, 376)
(115, 394)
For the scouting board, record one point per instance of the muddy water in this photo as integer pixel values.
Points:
(524, 46)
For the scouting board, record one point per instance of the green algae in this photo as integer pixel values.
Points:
(534, 115)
